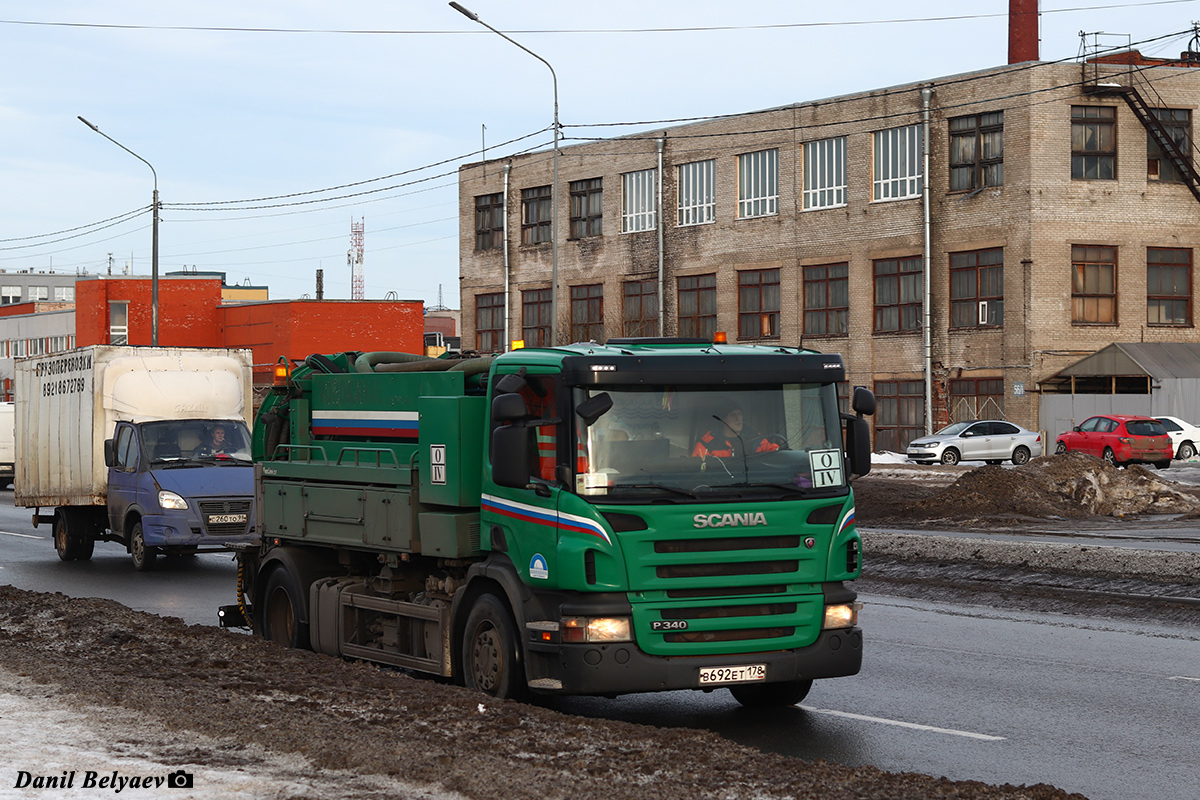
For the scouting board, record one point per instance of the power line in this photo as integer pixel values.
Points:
(571, 31)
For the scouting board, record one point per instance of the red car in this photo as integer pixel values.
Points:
(1120, 439)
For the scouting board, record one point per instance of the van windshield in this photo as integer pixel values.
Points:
(192, 440)
(675, 441)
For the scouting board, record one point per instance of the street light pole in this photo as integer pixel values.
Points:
(553, 187)
(153, 235)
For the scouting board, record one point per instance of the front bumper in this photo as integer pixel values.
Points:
(180, 530)
(623, 668)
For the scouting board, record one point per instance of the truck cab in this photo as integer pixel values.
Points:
(171, 491)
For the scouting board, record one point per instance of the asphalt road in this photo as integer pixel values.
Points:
(1091, 705)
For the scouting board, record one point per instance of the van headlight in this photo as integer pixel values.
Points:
(843, 615)
(170, 500)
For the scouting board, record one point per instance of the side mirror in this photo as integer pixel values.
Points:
(508, 407)
(510, 455)
(863, 402)
(594, 408)
(858, 445)
(110, 455)
(1076, 429)
(511, 383)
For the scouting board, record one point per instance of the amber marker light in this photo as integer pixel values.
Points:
(720, 338)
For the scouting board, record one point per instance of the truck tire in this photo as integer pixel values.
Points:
(771, 695)
(283, 611)
(65, 544)
(143, 556)
(491, 655)
(73, 536)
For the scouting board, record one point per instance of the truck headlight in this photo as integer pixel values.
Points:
(170, 500)
(843, 615)
(596, 629)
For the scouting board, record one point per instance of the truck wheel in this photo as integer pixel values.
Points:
(66, 545)
(283, 611)
(490, 652)
(143, 556)
(771, 695)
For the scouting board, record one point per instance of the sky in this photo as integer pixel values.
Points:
(270, 127)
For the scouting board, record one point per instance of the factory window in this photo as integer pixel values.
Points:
(1093, 284)
(118, 323)
(1168, 286)
(899, 414)
(977, 288)
(489, 221)
(977, 151)
(897, 163)
(758, 304)
(826, 300)
(976, 398)
(898, 283)
(536, 215)
(758, 184)
(638, 201)
(1094, 143)
(587, 313)
(698, 306)
(640, 314)
(1178, 124)
(64, 294)
(586, 213)
(535, 317)
(825, 173)
(39, 292)
(10, 294)
(489, 323)
(697, 192)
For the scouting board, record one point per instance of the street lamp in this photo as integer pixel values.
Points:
(153, 238)
(553, 187)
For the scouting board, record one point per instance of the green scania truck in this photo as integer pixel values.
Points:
(565, 520)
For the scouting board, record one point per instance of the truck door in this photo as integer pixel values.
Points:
(123, 477)
(523, 520)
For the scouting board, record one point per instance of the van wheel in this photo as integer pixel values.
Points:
(66, 545)
(283, 611)
(491, 655)
(143, 556)
(771, 695)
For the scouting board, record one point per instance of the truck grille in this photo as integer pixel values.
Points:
(208, 508)
(737, 590)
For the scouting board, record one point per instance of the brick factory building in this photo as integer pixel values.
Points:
(1061, 216)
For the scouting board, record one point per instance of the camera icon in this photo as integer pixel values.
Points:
(180, 780)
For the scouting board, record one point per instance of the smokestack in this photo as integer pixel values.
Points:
(1022, 31)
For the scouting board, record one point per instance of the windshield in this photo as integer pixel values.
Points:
(957, 427)
(196, 440)
(670, 441)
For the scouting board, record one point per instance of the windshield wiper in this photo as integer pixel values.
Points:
(663, 487)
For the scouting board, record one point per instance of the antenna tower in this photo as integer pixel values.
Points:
(358, 288)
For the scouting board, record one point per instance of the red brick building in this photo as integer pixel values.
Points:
(193, 313)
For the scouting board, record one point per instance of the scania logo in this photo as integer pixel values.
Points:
(729, 520)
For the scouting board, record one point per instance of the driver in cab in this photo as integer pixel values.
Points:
(725, 438)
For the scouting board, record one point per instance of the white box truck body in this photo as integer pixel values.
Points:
(115, 438)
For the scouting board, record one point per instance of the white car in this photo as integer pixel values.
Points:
(1184, 436)
(987, 440)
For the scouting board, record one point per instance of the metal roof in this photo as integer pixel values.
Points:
(1157, 360)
